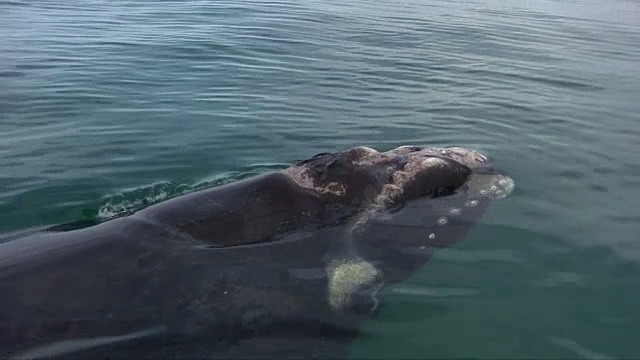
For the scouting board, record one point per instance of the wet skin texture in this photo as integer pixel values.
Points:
(286, 264)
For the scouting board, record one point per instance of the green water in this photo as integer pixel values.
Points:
(106, 106)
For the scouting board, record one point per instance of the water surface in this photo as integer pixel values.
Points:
(106, 106)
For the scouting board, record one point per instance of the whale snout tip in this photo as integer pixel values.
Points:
(501, 186)
(494, 186)
(485, 181)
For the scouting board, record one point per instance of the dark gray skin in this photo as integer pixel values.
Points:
(241, 270)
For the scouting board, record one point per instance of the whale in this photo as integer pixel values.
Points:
(289, 263)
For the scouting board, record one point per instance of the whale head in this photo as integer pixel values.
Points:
(405, 202)
(436, 199)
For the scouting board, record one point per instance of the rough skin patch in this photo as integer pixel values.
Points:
(332, 188)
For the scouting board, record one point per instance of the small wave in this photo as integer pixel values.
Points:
(578, 349)
(128, 201)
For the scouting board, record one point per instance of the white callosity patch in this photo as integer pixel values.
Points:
(363, 156)
(400, 177)
(300, 174)
(332, 188)
(467, 157)
(388, 194)
(392, 191)
(470, 158)
(492, 186)
(471, 203)
(361, 151)
(345, 277)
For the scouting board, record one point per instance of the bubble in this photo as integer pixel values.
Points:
(499, 192)
(483, 192)
(442, 221)
(472, 203)
(502, 182)
(455, 211)
(432, 236)
(493, 188)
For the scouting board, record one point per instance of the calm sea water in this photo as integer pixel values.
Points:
(106, 106)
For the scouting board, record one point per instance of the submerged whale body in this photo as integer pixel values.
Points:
(285, 264)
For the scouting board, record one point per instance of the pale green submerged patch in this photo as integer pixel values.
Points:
(345, 277)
